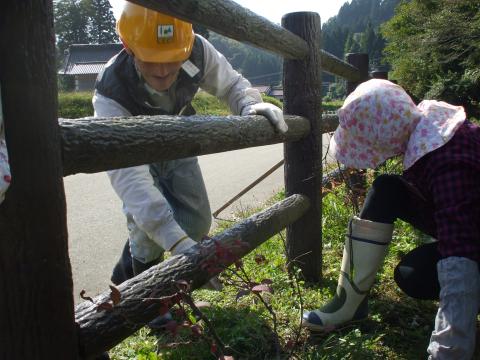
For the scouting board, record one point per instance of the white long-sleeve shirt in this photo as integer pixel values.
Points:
(135, 185)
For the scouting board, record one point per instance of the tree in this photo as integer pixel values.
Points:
(71, 24)
(352, 44)
(201, 30)
(260, 66)
(83, 22)
(36, 306)
(101, 22)
(434, 49)
(355, 29)
(368, 39)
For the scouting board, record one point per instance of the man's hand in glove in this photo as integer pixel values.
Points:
(270, 111)
(182, 245)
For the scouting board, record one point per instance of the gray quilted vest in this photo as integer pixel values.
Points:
(120, 82)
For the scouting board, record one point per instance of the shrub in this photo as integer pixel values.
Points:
(66, 83)
(73, 105)
(206, 104)
(331, 106)
(272, 100)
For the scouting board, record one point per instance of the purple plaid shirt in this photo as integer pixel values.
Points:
(449, 178)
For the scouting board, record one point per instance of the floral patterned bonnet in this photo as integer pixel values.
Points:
(379, 120)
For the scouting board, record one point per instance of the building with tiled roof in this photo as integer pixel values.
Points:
(276, 92)
(263, 89)
(85, 61)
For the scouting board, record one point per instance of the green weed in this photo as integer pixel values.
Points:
(74, 105)
(398, 327)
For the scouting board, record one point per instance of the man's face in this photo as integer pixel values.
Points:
(160, 76)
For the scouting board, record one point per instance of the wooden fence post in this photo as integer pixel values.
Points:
(303, 159)
(36, 302)
(360, 61)
(356, 180)
(379, 74)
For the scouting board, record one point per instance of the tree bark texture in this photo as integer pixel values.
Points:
(361, 62)
(36, 302)
(228, 18)
(378, 74)
(303, 158)
(101, 330)
(93, 145)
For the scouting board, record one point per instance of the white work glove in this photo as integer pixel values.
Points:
(270, 111)
(182, 245)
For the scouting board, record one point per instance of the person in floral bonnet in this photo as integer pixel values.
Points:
(438, 193)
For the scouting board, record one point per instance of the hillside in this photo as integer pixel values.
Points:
(353, 29)
(259, 66)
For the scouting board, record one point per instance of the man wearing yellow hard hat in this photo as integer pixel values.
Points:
(158, 72)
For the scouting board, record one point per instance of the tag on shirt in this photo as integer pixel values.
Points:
(190, 68)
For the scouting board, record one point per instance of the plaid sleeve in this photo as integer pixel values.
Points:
(455, 188)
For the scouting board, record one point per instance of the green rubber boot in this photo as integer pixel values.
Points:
(365, 248)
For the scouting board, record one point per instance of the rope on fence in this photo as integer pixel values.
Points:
(327, 179)
(248, 188)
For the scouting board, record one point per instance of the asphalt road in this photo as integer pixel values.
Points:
(97, 229)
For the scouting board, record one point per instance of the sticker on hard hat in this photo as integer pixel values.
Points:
(165, 33)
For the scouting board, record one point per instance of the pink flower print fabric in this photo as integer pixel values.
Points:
(5, 177)
(378, 119)
(440, 122)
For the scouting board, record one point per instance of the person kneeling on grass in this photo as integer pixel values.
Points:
(438, 193)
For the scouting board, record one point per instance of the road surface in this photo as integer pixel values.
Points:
(96, 225)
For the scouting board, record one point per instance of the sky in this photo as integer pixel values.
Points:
(273, 10)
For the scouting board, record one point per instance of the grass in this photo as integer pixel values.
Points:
(206, 104)
(73, 105)
(398, 327)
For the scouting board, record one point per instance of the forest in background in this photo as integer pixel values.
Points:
(354, 29)
(431, 47)
(83, 22)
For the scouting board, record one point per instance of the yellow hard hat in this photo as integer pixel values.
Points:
(153, 36)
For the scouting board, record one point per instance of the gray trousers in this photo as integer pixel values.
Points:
(181, 183)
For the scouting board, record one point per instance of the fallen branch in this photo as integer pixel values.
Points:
(100, 329)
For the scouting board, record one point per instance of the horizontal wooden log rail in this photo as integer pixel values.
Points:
(93, 145)
(228, 18)
(101, 330)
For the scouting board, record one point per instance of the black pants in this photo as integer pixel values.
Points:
(391, 198)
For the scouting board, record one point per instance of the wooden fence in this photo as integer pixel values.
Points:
(36, 307)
